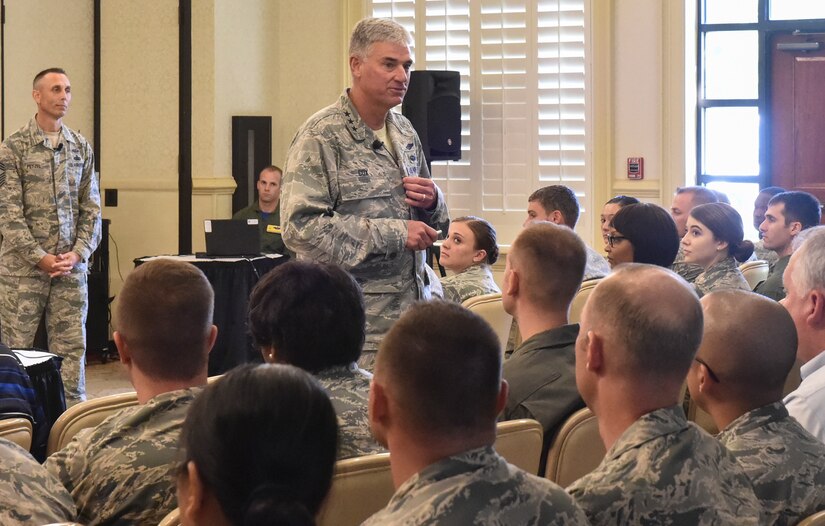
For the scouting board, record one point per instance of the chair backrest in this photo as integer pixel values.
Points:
(755, 272)
(817, 519)
(576, 450)
(577, 306)
(489, 307)
(172, 519)
(520, 443)
(361, 486)
(17, 430)
(84, 415)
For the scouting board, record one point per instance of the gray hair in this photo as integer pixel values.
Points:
(371, 30)
(808, 271)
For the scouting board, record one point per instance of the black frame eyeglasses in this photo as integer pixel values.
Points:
(710, 371)
(612, 238)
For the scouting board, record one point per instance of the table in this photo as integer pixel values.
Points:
(233, 280)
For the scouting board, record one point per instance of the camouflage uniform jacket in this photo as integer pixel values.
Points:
(721, 276)
(773, 287)
(665, 470)
(688, 271)
(28, 493)
(343, 202)
(122, 471)
(760, 253)
(478, 487)
(785, 463)
(349, 390)
(595, 265)
(270, 227)
(49, 200)
(473, 281)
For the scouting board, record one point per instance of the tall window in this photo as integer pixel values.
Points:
(523, 98)
(735, 44)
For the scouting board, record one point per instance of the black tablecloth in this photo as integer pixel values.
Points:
(233, 280)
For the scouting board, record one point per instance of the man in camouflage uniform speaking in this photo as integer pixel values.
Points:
(357, 190)
(50, 223)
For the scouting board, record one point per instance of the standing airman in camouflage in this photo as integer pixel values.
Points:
(311, 315)
(434, 400)
(748, 349)
(28, 493)
(50, 225)
(122, 471)
(639, 333)
(357, 190)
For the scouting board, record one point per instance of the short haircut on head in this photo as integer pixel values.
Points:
(558, 197)
(443, 365)
(164, 313)
(622, 200)
(311, 314)
(772, 190)
(552, 260)
(652, 232)
(369, 31)
(721, 196)
(801, 207)
(750, 341)
(700, 195)
(271, 168)
(726, 225)
(809, 271)
(485, 236)
(263, 439)
(653, 315)
(45, 72)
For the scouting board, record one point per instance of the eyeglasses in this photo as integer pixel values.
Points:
(612, 238)
(710, 371)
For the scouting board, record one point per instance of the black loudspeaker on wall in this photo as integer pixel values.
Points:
(433, 106)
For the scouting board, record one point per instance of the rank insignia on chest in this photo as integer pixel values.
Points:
(273, 229)
(362, 172)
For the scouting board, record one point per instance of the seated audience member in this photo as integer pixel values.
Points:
(789, 213)
(639, 333)
(259, 449)
(19, 398)
(468, 251)
(434, 399)
(558, 204)
(760, 206)
(609, 210)
(642, 233)
(311, 315)
(120, 471)
(715, 241)
(721, 197)
(748, 349)
(267, 210)
(542, 275)
(28, 493)
(805, 301)
(684, 200)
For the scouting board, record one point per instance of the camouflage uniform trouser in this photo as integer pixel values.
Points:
(65, 300)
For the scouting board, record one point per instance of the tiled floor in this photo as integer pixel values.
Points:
(106, 379)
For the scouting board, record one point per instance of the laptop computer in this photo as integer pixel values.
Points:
(232, 237)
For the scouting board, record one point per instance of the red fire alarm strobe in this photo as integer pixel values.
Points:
(635, 167)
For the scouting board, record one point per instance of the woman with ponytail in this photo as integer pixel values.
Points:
(259, 449)
(714, 241)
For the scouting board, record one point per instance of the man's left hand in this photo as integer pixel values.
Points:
(421, 192)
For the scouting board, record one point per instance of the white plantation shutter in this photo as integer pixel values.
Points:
(523, 97)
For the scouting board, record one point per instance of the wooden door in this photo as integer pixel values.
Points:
(797, 115)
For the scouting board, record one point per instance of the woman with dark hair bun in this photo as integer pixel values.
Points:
(642, 233)
(715, 241)
(259, 448)
(611, 208)
(468, 251)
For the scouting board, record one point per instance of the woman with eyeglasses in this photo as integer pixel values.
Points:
(642, 233)
(715, 241)
(259, 448)
(611, 208)
(468, 251)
